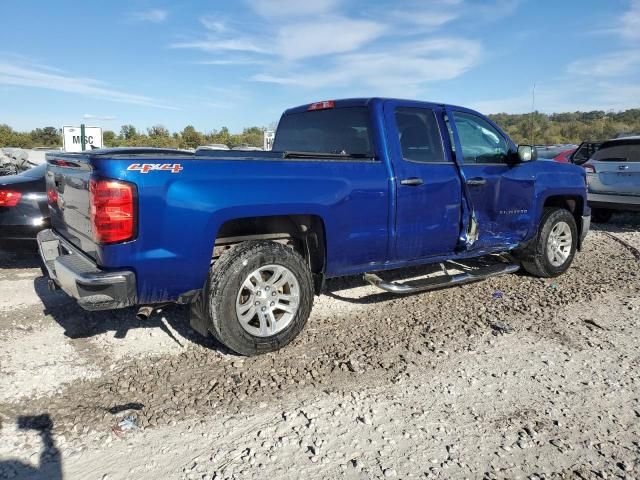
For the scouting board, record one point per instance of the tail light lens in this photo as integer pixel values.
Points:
(9, 198)
(589, 168)
(322, 105)
(113, 210)
(52, 195)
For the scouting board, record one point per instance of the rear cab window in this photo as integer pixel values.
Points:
(342, 131)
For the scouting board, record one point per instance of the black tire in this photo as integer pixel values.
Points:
(535, 259)
(225, 282)
(601, 215)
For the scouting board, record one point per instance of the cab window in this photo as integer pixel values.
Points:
(419, 135)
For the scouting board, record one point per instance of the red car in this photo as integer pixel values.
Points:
(563, 157)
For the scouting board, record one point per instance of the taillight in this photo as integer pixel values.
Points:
(52, 195)
(589, 168)
(9, 198)
(322, 105)
(112, 210)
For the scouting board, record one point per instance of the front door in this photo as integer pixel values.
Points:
(428, 191)
(501, 193)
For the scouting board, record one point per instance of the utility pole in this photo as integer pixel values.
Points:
(533, 109)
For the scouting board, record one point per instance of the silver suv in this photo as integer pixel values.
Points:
(613, 177)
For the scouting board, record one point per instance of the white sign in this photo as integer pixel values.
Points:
(269, 137)
(71, 141)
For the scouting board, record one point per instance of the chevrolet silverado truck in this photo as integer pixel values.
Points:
(352, 187)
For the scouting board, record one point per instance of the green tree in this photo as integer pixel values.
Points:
(6, 134)
(46, 137)
(223, 136)
(253, 136)
(109, 138)
(190, 137)
(128, 132)
(158, 131)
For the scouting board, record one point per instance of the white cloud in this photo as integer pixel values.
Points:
(218, 45)
(155, 15)
(430, 15)
(397, 47)
(630, 22)
(29, 77)
(398, 69)
(427, 19)
(293, 41)
(609, 65)
(291, 8)
(232, 61)
(213, 23)
(336, 35)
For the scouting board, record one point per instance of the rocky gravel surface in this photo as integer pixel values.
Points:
(513, 377)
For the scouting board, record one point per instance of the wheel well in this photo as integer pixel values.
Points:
(304, 233)
(572, 203)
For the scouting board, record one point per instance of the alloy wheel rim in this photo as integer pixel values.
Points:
(268, 300)
(559, 244)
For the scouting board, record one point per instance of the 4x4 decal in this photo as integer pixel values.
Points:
(150, 167)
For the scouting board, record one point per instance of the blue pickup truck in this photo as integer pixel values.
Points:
(355, 186)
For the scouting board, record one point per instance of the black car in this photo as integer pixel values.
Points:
(23, 206)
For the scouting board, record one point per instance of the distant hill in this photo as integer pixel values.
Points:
(575, 127)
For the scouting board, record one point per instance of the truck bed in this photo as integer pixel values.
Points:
(182, 212)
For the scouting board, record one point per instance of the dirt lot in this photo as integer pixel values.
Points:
(540, 383)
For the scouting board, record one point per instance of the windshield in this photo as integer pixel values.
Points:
(343, 131)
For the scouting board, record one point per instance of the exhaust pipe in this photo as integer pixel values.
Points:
(144, 312)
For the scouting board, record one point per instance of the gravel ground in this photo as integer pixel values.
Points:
(541, 383)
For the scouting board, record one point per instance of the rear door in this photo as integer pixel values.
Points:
(428, 191)
(617, 168)
(500, 193)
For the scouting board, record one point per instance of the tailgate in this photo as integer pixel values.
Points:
(68, 179)
(616, 178)
(617, 170)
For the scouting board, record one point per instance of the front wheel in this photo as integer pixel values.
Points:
(552, 250)
(258, 297)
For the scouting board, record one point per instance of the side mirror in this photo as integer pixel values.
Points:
(527, 153)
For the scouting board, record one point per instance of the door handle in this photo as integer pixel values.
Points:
(623, 167)
(476, 181)
(412, 182)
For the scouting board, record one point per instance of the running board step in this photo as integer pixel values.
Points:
(442, 281)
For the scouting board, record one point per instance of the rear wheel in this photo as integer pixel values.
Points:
(550, 254)
(259, 297)
(601, 215)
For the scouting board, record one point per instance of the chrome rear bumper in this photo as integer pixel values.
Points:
(79, 277)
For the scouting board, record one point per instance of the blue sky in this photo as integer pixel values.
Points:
(240, 63)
